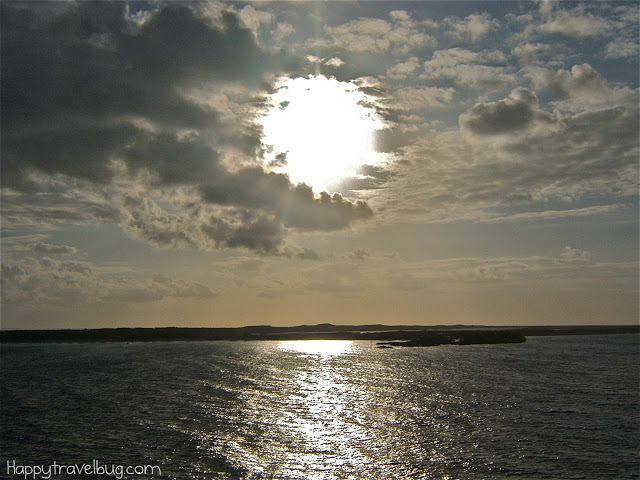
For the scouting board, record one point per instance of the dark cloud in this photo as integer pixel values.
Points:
(90, 91)
(148, 220)
(71, 82)
(295, 206)
(580, 78)
(329, 212)
(263, 234)
(514, 113)
(280, 160)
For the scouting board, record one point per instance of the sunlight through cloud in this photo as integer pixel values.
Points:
(319, 130)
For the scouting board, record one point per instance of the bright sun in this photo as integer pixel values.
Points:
(319, 130)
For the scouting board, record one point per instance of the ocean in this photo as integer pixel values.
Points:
(564, 407)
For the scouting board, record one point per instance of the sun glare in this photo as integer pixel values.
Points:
(319, 130)
(324, 348)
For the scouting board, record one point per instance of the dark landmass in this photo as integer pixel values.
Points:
(459, 337)
(386, 335)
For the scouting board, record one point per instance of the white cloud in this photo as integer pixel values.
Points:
(451, 58)
(467, 68)
(375, 35)
(582, 88)
(575, 23)
(575, 255)
(399, 16)
(528, 53)
(282, 31)
(622, 48)
(334, 62)
(255, 19)
(403, 69)
(473, 28)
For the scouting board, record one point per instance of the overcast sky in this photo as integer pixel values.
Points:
(154, 158)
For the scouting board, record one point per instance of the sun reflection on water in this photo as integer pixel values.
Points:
(322, 417)
(324, 348)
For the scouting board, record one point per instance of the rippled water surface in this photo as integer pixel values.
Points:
(553, 407)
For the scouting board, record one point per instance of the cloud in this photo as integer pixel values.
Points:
(145, 219)
(283, 30)
(148, 121)
(359, 254)
(263, 234)
(518, 111)
(49, 201)
(574, 23)
(403, 69)
(49, 249)
(418, 98)
(254, 19)
(621, 48)
(307, 254)
(334, 62)
(510, 153)
(575, 255)
(459, 56)
(368, 177)
(376, 35)
(581, 78)
(361, 35)
(296, 206)
(581, 89)
(38, 281)
(455, 274)
(528, 53)
(547, 215)
(329, 212)
(400, 16)
(472, 28)
(468, 68)
(464, 272)
(77, 95)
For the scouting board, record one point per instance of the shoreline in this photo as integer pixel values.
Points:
(400, 335)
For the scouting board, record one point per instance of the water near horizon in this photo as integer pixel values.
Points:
(553, 407)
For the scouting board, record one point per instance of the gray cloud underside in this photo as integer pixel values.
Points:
(512, 152)
(503, 116)
(89, 94)
(46, 280)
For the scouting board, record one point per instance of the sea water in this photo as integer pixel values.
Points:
(554, 407)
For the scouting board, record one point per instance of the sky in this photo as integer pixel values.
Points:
(220, 164)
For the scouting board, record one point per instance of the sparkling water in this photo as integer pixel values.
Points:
(553, 407)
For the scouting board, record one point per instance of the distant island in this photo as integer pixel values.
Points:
(386, 335)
